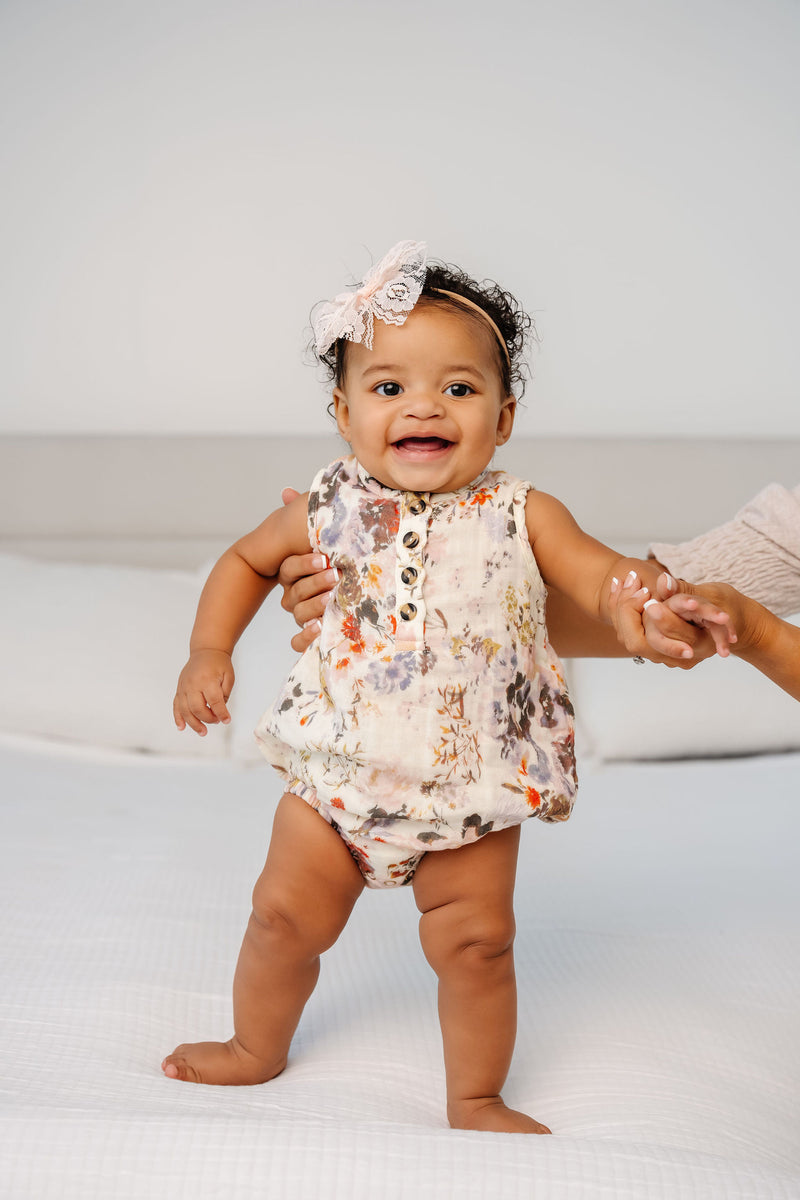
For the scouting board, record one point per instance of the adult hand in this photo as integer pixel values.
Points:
(663, 637)
(697, 609)
(768, 643)
(307, 581)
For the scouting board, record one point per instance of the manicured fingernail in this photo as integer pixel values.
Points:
(670, 580)
(314, 622)
(319, 562)
(334, 573)
(614, 583)
(650, 601)
(643, 591)
(629, 578)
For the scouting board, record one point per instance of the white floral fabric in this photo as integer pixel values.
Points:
(432, 709)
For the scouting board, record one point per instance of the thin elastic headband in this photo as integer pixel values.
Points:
(483, 313)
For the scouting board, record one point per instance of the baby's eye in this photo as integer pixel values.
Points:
(388, 389)
(458, 390)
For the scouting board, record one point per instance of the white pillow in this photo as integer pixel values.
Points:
(91, 654)
(720, 707)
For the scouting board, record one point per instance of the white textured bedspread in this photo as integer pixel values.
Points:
(659, 975)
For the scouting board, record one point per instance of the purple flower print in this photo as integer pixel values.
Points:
(394, 675)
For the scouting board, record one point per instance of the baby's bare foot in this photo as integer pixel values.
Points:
(219, 1062)
(492, 1116)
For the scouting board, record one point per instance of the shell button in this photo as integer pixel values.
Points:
(417, 506)
(408, 612)
(411, 540)
(409, 574)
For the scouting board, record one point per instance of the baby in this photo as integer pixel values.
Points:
(430, 718)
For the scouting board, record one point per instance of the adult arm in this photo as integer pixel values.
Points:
(764, 640)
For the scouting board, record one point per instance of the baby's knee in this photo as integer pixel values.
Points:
(272, 919)
(466, 940)
(287, 924)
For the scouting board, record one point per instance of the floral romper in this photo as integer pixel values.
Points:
(431, 710)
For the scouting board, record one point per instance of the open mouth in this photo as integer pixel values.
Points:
(422, 445)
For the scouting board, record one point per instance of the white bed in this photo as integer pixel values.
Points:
(658, 956)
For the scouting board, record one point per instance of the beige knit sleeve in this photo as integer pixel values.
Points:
(758, 551)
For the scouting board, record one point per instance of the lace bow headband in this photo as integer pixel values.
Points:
(389, 291)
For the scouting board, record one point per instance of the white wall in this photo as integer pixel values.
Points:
(181, 181)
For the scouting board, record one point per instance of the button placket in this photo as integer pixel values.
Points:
(412, 536)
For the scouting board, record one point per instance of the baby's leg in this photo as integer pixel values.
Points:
(301, 903)
(467, 933)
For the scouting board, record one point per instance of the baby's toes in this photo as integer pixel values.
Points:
(175, 1066)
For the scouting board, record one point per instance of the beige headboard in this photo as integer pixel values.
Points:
(176, 500)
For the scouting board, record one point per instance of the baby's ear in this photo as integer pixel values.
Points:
(505, 422)
(341, 411)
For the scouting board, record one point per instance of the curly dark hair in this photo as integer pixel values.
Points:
(507, 313)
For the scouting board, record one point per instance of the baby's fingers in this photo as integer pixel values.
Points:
(663, 632)
(177, 715)
(703, 613)
(215, 695)
(215, 700)
(189, 711)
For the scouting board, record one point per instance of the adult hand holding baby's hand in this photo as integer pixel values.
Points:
(678, 632)
(204, 685)
(698, 610)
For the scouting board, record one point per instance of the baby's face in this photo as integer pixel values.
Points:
(424, 409)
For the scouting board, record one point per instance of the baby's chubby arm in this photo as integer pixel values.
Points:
(591, 574)
(234, 591)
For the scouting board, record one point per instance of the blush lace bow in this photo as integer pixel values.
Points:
(389, 291)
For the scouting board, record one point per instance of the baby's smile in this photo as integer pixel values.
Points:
(421, 446)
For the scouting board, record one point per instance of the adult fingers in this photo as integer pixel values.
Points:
(667, 585)
(307, 582)
(308, 634)
(625, 603)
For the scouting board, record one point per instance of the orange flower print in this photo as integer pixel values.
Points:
(337, 802)
(352, 631)
(374, 573)
(480, 497)
(532, 796)
(525, 787)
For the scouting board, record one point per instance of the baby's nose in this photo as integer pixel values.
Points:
(424, 404)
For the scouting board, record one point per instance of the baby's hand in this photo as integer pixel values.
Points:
(204, 686)
(669, 639)
(697, 611)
